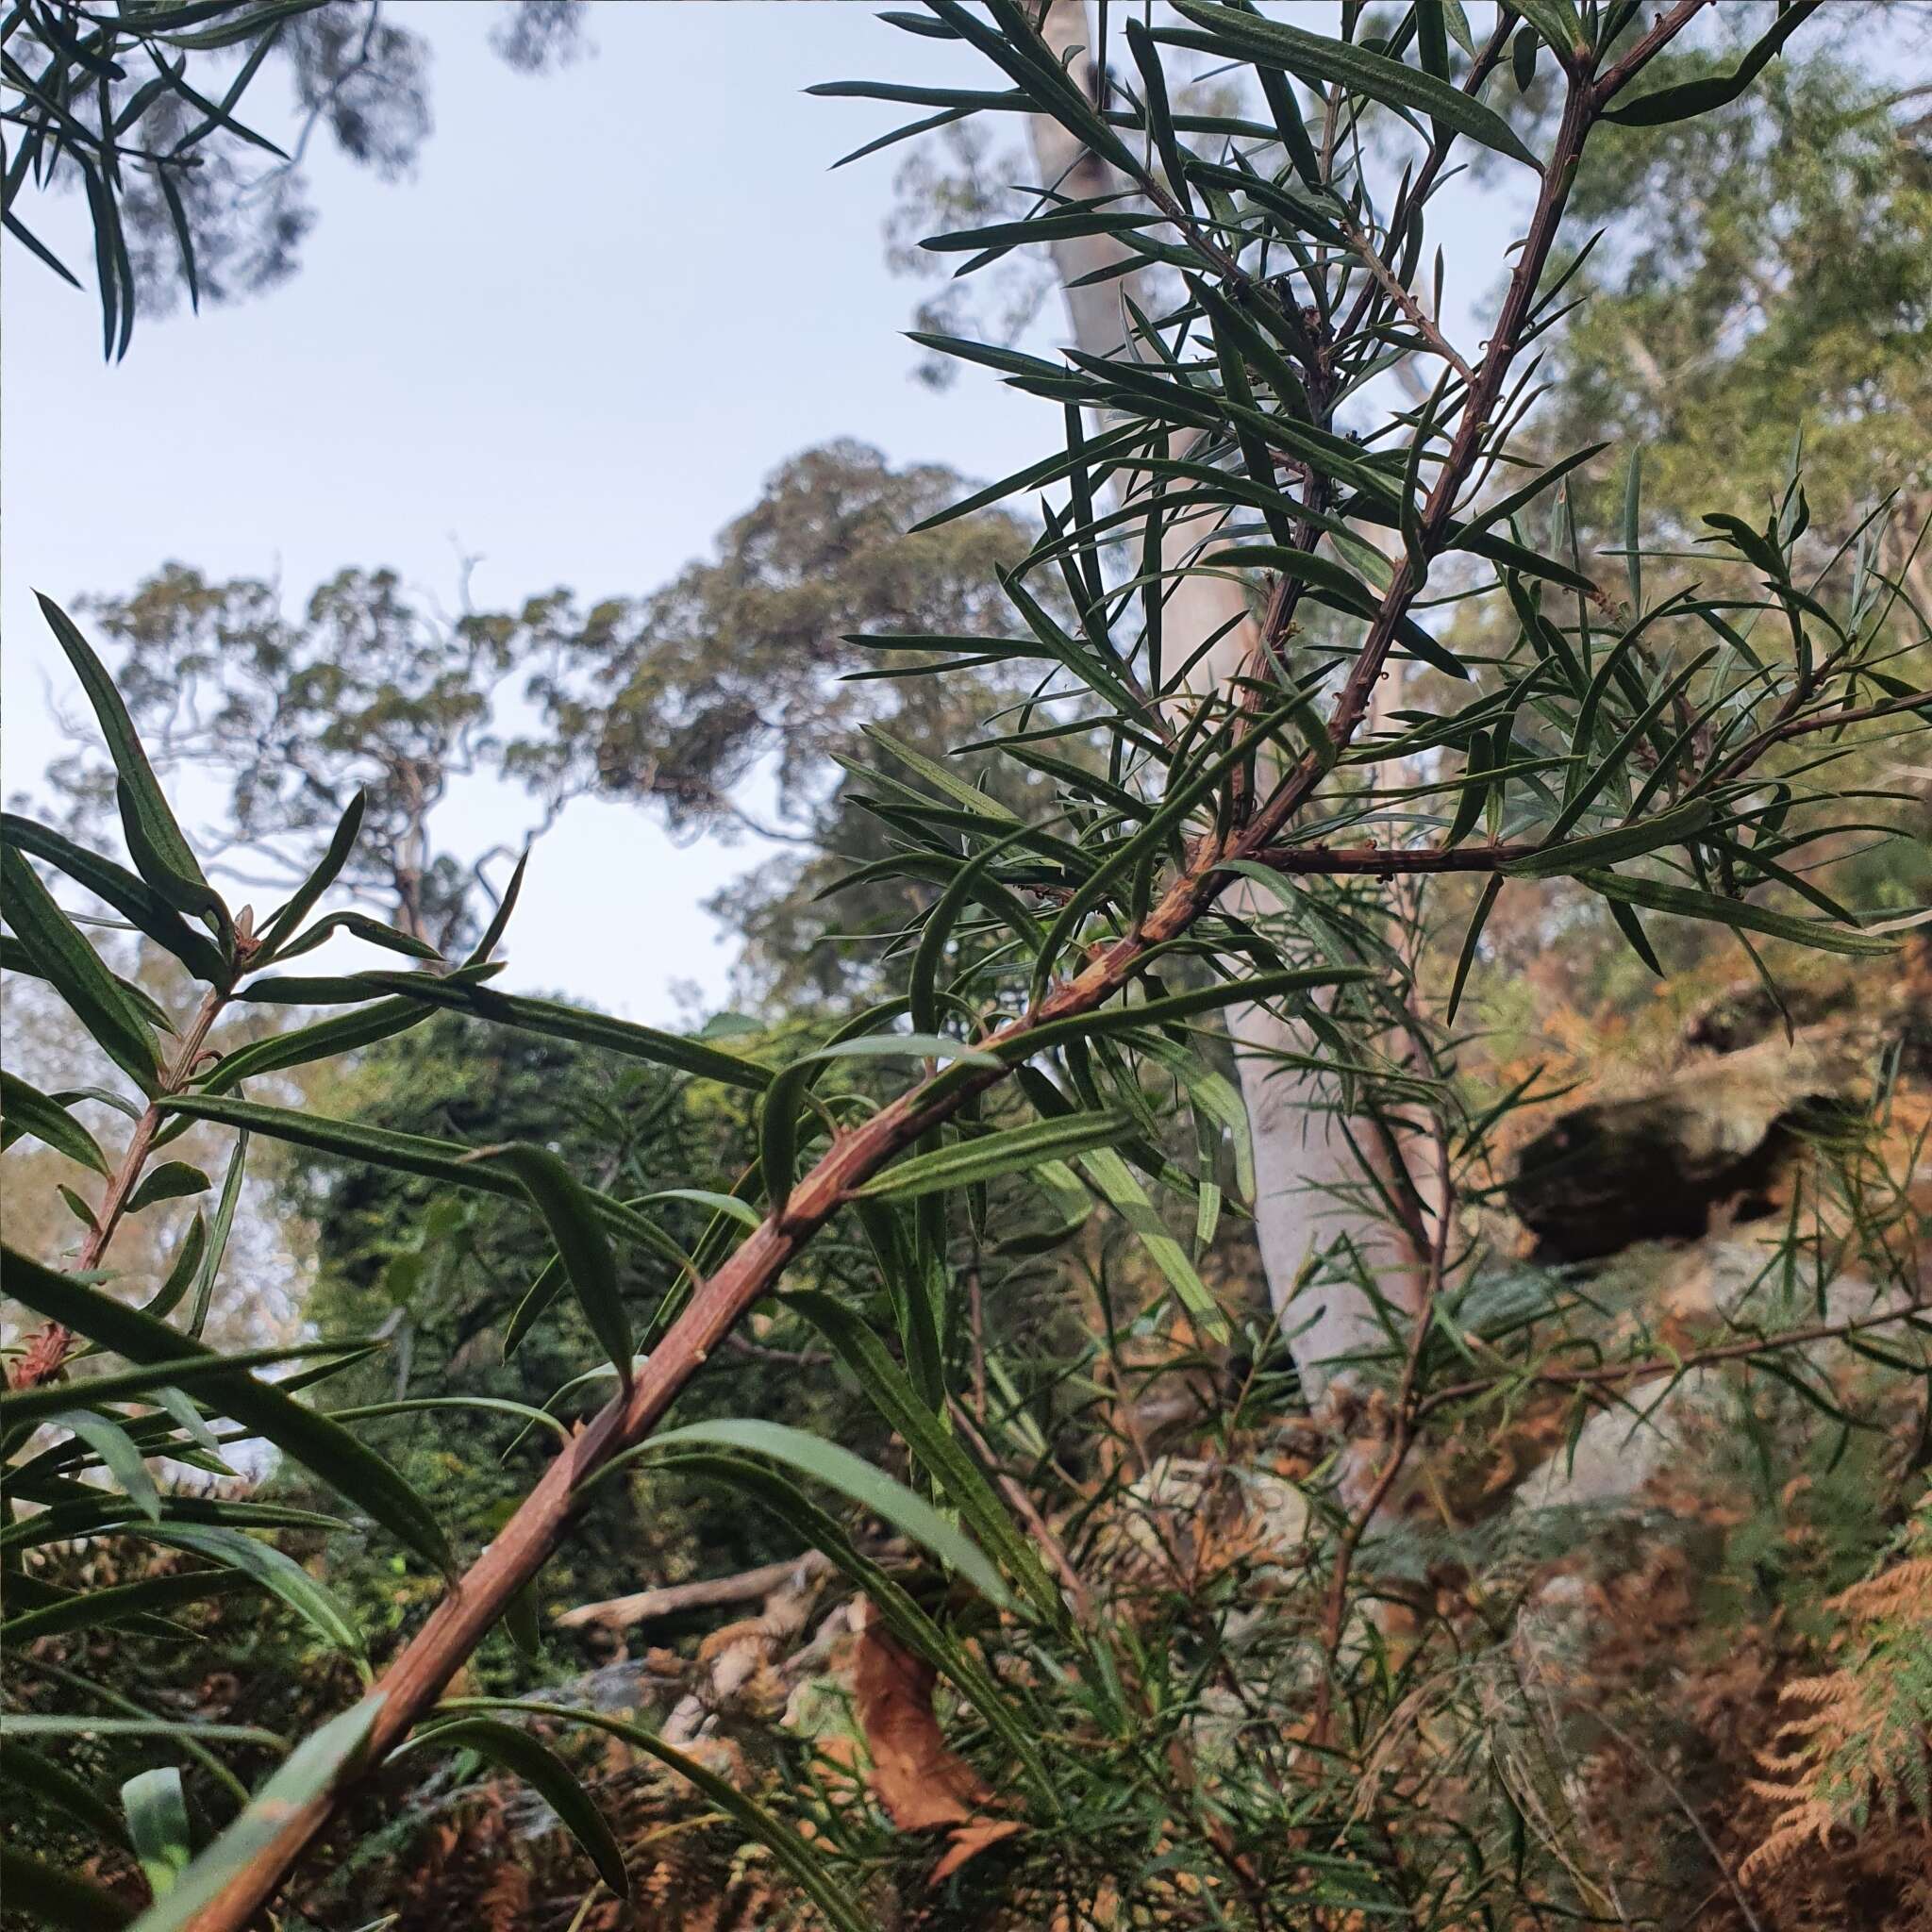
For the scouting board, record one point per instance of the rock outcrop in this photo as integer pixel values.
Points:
(1708, 1143)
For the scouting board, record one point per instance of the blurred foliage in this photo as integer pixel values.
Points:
(139, 105)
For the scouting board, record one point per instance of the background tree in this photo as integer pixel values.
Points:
(749, 674)
(739, 666)
(739, 680)
(1765, 267)
(136, 106)
(368, 692)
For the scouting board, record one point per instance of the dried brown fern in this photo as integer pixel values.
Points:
(1859, 1741)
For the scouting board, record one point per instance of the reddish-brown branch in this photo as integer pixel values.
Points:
(1783, 728)
(1663, 31)
(1352, 702)
(46, 1353)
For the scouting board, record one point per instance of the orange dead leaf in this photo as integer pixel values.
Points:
(916, 1778)
(969, 1840)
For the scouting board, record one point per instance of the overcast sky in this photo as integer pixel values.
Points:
(608, 303)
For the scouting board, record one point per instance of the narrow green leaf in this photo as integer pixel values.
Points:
(280, 1576)
(183, 1270)
(581, 1243)
(74, 969)
(727, 1205)
(1577, 856)
(118, 1453)
(311, 1769)
(412, 1404)
(26, 1110)
(1432, 37)
(22, 233)
(145, 806)
(537, 1299)
(1557, 21)
(79, 1724)
(449, 1161)
(321, 1039)
(173, 1181)
(1522, 53)
(939, 777)
(75, 1510)
(288, 916)
(989, 1156)
(132, 897)
(363, 927)
(1132, 1202)
(1173, 1007)
(1012, 42)
(78, 1208)
(218, 1236)
(157, 1826)
(1214, 1093)
(922, 983)
(1325, 62)
(1524, 495)
(684, 1055)
(184, 895)
(1693, 97)
(499, 921)
(521, 1621)
(1158, 114)
(1633, 530)
(838, 1468)
(1687, 901)
(1049, 226)
(20, 1407)
(180, 1409)
(1632, 929)
(184, 234)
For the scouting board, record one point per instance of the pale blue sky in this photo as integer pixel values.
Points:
(608, 303)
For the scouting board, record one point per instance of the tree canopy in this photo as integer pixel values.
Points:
(139, 107)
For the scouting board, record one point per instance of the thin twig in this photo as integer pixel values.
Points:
(46, 1354)
(1648, 1368)
(1024, 1508)
(1419, 318)
(1662, 32)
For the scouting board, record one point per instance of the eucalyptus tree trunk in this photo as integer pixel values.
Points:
(1301, 1153)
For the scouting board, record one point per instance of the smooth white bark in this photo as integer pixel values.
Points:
(1300, 1152)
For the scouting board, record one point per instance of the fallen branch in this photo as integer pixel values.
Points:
(671, 1600)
